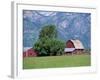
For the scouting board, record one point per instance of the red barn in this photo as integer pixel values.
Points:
(29, 53)
(74, 46)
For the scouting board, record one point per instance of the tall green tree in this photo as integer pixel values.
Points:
(48, 31)
(48, 44)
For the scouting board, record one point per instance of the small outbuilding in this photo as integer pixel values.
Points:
(30, 53)
(74, 47)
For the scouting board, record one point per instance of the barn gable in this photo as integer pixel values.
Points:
(74, 46)
(69, 44)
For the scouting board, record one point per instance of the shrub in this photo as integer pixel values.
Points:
(51, 47)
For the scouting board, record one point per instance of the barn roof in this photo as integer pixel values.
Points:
(78, 44)
(69, 49)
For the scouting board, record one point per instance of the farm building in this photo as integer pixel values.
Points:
(74, 47)
(29, 53)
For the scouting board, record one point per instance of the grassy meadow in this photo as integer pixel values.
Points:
(56, 61)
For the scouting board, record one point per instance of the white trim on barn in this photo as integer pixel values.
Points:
(69, 49)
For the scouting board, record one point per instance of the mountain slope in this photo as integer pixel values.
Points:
(69, 26)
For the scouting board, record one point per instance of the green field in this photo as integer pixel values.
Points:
(56, 61)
